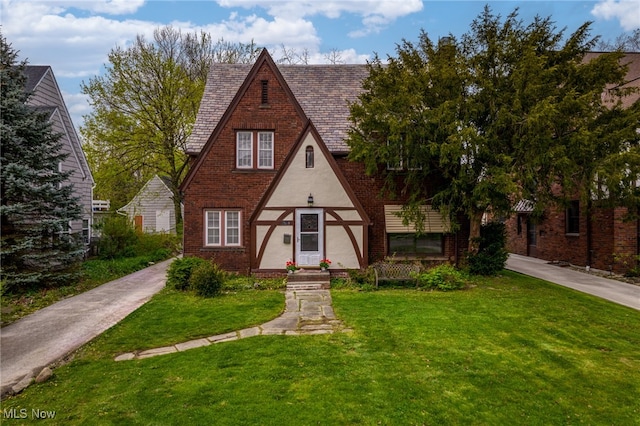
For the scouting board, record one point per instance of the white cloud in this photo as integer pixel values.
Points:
(626, 11)
(78, 106)
(75, 37)
(376, 14)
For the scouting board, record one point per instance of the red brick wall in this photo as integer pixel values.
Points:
(609, 234)
(217, 184)
(368, 190)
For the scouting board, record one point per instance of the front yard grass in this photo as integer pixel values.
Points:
(512, 350)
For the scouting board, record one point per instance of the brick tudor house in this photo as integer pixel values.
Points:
(608, 242)
(269, 179)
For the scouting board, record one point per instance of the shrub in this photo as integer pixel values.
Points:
(442, 277)
(362, 279)
(180, 271)
(118, 238)
(492, 254)
(154, 243)
(207, 279)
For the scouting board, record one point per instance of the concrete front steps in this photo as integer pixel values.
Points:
(308, 279)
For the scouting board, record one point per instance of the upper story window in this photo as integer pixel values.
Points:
(309, 160)
(401, 161)
(250, 155)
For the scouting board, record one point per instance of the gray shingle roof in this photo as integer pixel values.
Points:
(34, 74)
(323, 92)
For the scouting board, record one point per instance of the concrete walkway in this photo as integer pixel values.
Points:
(50, 334)
(609, 289)
(306, 312)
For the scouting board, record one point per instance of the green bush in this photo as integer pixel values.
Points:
(362, 279)
(442, 277)
(180, 271)
(207, 279)
(118, 238)
(492, 254)
(154, 243)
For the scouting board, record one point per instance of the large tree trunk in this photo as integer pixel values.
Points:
(475, 222)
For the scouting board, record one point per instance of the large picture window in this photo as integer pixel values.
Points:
(222, 228)
(250, 155)
(417, 245)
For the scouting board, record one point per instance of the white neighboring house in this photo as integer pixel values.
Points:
(152, 210)
(47, 97)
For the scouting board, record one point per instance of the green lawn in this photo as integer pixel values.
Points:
(512, 350)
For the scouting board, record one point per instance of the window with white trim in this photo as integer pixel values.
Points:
(222, 228)
(247, 151)
(265, 150)
(244, 150)
(232, 228)
(212, 228)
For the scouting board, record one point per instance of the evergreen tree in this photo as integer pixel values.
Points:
(37, 202)
(510, 111)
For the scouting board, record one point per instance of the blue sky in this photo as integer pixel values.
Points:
(75, 36)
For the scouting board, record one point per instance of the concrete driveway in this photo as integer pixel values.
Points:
(615, 291)
(48, 335)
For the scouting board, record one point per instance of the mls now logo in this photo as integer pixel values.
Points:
(14, 413)
(23, 413)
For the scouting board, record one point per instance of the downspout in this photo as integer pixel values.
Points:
(589, 236)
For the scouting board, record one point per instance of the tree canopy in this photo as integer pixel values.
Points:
(145, 106)
(37, 199)
(509, 111)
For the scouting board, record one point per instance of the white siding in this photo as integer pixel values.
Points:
(47, 94)
(153, 201)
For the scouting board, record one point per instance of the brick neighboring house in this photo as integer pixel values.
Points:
(607, 243)
(269, 179)
(47, 97)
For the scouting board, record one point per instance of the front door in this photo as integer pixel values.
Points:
(309, 236)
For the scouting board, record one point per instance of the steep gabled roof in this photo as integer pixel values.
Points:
(49, 100)
(34, 74)
(323, 92)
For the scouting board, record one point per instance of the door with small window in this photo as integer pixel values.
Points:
(309, 236)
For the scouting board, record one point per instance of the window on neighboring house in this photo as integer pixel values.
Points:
(309, 160)
(222, 228)
(246, 151)
(85, 231)
(573, 217)
(414, 244)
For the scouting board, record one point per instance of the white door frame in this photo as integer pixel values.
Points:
(309, 258)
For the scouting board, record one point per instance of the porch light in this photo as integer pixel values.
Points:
(310, 200)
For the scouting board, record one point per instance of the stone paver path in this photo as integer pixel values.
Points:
(306, 312)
